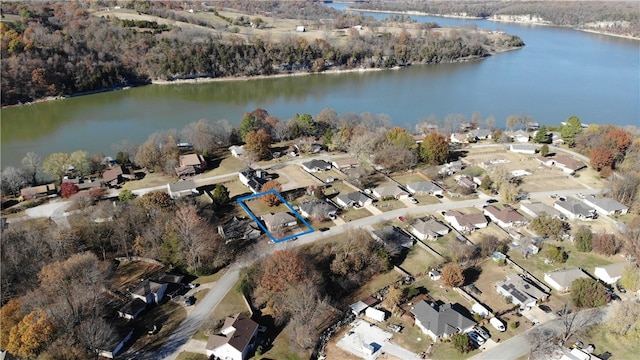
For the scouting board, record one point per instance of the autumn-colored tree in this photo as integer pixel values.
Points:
(252, 121)
(588, 293)
(10, 316)
(434, 150)
(155, 201)
(271, 199)
(605, 244)
(67, 189)
(31, 335)
(452, 275)
(257, 143)
(401, 138)
(283, 269)
(617, 140)
(602, 158)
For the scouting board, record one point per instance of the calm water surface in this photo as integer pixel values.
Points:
(559, 73)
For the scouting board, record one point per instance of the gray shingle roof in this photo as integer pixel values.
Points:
(423, 187)
(441, 319)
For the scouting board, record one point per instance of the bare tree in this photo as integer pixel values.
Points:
(31, 164)
(541, 341)
(12, 180)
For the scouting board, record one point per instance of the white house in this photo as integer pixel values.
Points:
(354, 198)
(465, 222)
(520, 136)
(610, 273)
(523, 148)
(182, 188)
(375, 314)
(429, 229)
(606, 206)
(561, 280)
(574, 209)
(521, 292)
(236, 150)
(316, 165)
(346, 163)
(149, 291)
(390, 191)
(424, 188)
(236, 339)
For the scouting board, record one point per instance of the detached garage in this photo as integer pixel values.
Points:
(375, 314)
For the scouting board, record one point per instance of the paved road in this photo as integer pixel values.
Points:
(519, 345)
(188, 327)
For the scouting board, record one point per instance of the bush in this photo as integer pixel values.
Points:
(556, 254)
(452, 275)
(588, 293)
(605, 244)
(583, 238)
(461, 342)
(514, 324)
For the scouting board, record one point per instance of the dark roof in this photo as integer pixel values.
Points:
(237, 228)
(394, 235)
(441, 319)
(355, 196)
(133, 306)
(147, 287)
(237, 331)
(317, 164)
(320, 207)
(112, 174)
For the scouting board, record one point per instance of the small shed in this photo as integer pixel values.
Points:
(358, 308)
(434, 274)
(375, 314)
(300, 28)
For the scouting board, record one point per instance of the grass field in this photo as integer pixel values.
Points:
(604, 341)
(129, 273)
(375, 284)
(418, 261)
(149, 180)
(185, 355)
(166, 316)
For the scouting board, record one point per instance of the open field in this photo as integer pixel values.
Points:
(418, 261)
(354, 214)
(185, 355)
(376, 283)
(166, 316)
(409, 178)
(604, 342)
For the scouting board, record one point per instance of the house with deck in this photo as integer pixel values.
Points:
(118, 175)
(33, 192)
(191, 164)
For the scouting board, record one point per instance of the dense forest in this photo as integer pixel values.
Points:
(60, 48)
(614, 17)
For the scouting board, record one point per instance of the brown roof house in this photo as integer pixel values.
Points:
(117, 175)
(279, 220)
(465, 222)
(441, 321)
(236, 339)
(390, 191)
(504, 217)
(191, 164)
(38, 191)
(568, 164)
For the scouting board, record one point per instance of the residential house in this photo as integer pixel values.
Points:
(392, 235)
(182, 188)
(532, 126)
(236, 339)
(239, 229)
(561, 280)
(390, 191)
(606, 206)
(116, 343)
(441, 321)
(451, 168)
(253, 179)
(175, 287)
(236, 151)
(520, 136)
(465, 222)
(279, 220)
(318, 209)
(504, 218)
(117, 175)
(459, 138)
(149, 291)
(346, 163)
(549, 162)
(480, 134)
(521, 291)
(610, 274)
(132, 309)
(429, 229)
(568, 164)
(83, 183)
(354, 198)
(535, 209)
(191, 164)
(358, 307)
(574, 209)
(523, 148)
(38, 191)
(466, 182)
(316, 165)
(424, 188)
(419, 139)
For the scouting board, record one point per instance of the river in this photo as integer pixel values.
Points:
(560, 72)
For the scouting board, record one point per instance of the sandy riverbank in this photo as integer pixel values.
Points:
(419, 13)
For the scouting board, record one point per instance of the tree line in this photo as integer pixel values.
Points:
(59, 48)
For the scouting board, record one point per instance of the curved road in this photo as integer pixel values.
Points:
(195, 319)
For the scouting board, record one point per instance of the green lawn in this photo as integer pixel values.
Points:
(389, 205)
(185, 355)
(409, 178)
(604, 341)
(354, 214)
(375, 284)
(209, 278)
(418, 261)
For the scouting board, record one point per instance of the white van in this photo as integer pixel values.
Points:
(497, 324)
(480, 310)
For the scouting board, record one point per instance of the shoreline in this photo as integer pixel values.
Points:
(419, 13)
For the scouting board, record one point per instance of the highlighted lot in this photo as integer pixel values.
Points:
(263, 227)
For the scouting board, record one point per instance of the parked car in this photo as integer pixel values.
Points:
(323, 229)
(413, 200)
(476, 338)
(439, 196)
(482, 331)
(189, 300)
(395, 328)
(620, 288)
(401, 218)
(497, 324)
(545, 308)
